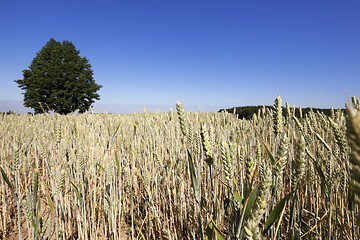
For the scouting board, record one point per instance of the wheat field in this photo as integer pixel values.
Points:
(181, 175)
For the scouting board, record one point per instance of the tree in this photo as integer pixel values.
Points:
(59, 79)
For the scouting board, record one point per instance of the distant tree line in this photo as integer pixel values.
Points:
(247, 112)
(9, 113)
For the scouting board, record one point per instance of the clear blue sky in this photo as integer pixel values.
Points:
(211, 54)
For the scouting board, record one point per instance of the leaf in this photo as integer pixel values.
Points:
(7, 160)
(8, 183)
(76, 191)
(50, 203)
(292, 208)
(141, 176)
(227, 204)
(211, 228)
(35, 188)
(101, 167)
(37, 220)
(117, 161)
(250, 202)
(275, 213)
(216, 229)
(209, 233)
(237, 197)
(194, 182)
(46, 189)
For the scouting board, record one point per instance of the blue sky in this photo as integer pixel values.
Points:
(212, 54)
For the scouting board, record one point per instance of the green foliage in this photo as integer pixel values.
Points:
(6, 179)
(59, 79)
(247, 112)
(8, 113)
(276, 212)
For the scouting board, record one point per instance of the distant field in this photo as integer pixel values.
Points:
(177, 175)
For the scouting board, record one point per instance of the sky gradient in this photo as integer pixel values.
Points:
(212, 54)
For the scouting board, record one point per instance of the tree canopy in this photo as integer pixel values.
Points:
(58, 79)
